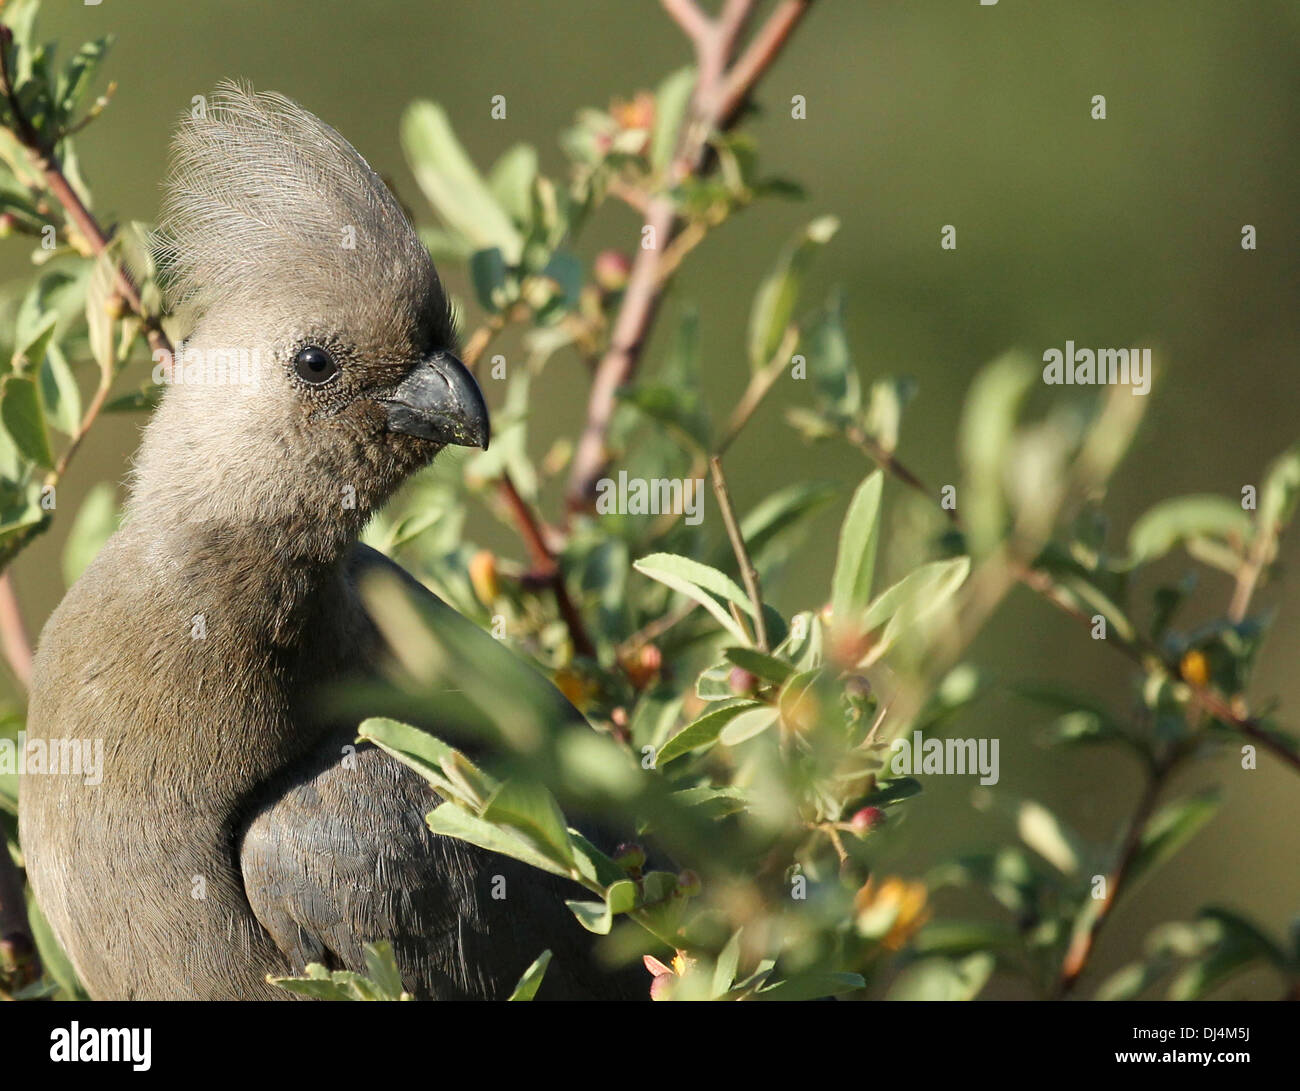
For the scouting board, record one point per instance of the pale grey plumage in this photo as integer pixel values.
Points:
(230, 838)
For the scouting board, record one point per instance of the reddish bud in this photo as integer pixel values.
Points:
(643, 665)
(742, 681)
(630, 856)
(857, 687)
(611, 269)
(688, 883)
(869, 818)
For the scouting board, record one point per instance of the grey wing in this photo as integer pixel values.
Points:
(341, 857)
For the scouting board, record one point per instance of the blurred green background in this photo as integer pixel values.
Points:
(920, 113)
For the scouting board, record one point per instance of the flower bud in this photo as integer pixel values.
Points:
(483, 577)
(1195, 669)
(630, 856)
(643, 665)
(869, 818)
(742, 681)
(857, 687)
(611, 269)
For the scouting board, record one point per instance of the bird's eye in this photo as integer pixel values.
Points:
(315, 365)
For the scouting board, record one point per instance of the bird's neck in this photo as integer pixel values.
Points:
(239, 522)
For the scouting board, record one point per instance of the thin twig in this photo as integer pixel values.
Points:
(1146, 656)
(719, 93)
(655, 629)
(887, 461)
(546, 568)
(687, 15)
(748, 573)
(1084, 940)
(760, 382)
(1137, 650)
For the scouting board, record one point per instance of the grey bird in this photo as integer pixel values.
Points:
(235, 833)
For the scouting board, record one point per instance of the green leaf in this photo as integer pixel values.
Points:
(381, 965)
(592, 864)
(811, 986)
(671, 101)
(529, 809)
(885, 410)
(96, 520)
(144, 400)
(1280, 492)
(912, 599)
(531, 980)
(20, 411)
(1043, 832)
(757, 663)
(701, 582)
(772, 518)
(1238, 944)
(411, 746)
(751, 722)
(59, 393)
(830, 364)
(445, 767)
(985, 434)
(1172, 827)
(670, 406)
(702, 732)
(56, 963)
(891, 791)
(1237, 929)
(943, 979)
(452, 184)
(511, 181)
(855, 562)
(78, 77)
(31, 345)
(564, 270)
(955, 938)
(487, 270)
(774, 303)
(724, 970)
(1176, 520)
(718, 802)
(452, 820)
(598, 917)
(314, 988)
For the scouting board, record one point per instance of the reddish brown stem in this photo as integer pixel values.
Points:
(13, 633)
(721, 90)
(546, 568)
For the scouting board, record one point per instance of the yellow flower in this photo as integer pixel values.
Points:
(893, 912)
(483, 577)
(1195, 669)
(575, 687)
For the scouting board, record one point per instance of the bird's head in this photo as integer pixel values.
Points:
(322, 355)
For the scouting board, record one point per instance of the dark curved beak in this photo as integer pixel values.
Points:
(440, 400)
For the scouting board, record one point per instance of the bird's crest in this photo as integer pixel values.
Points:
(264, 197)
